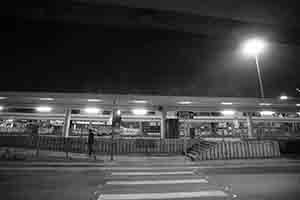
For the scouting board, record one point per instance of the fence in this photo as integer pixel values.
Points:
(222, 150)
(101, 146)
(241, 150)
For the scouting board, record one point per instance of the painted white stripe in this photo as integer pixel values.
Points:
(148, 168)
(174, 195)
(152, 182)
(149, 173)
(48, 168)
(260, 165)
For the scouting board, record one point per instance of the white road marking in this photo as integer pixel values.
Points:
(173, 195)
(149, 173)
(152, 182)
(86, 168)
(48, 168)
(147, 168)
(95, 167)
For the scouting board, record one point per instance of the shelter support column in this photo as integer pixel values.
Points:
(163, 123)
(250, 125)
(67, 122)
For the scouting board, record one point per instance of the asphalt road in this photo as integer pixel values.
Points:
(263, 183)
(86, 183)
(49, 184)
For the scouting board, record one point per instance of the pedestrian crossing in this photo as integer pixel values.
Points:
(150, 173)
(158, 182)
(174, 195)
(151, 182)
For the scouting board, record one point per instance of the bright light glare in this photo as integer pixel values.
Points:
(139, 101)
(298, 104)
(267, 113)
(92, 110)
(265, 104)
(228, 112)
(1, 107)
(226, 103)
(46, 99)
(298, 113)
(283, 97)
(253, 47)
(94, 100)
(118, 112)
(43, 109)
(3, 98)
(139, 111)
(184, 102)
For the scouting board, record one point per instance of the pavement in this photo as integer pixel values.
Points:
(30, 155)
(19, 156)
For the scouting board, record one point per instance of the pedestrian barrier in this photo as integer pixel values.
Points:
(239, 150)
(101, 146)
(197, 149)
(199, 146)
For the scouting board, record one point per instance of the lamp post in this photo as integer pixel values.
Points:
(254, 47)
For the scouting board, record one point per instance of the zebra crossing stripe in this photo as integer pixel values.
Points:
(173, 195)
(152, 182)
(148, 168)
(150, 173)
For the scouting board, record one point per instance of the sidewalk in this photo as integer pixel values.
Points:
(28, 157)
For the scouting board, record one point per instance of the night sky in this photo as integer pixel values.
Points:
(60, 56)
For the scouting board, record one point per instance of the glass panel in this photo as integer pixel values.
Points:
(23, 126)
(80, 128)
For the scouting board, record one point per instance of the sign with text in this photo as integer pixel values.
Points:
(185, 115)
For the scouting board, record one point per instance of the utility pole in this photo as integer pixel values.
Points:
(261, 87)
(115, 125)
(112, 131)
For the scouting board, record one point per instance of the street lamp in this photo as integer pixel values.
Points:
(254, 47)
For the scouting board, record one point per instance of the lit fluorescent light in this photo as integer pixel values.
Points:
(265, 104)
(228, 112)
(46, 99)
(43, 109)
(82, 122)
(1, 107)
(267, 113)
(226, 103)
(139, 101)
(298, 113)
(184, 102)
(298, 104)
(94, 100)
(283, 97)
(118, 112)
(91, 110)
(139, 111)
(3, 98)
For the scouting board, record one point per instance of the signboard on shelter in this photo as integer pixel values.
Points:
(185, 114)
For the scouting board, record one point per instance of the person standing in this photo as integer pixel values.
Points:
(91, 143)
(33, 129)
